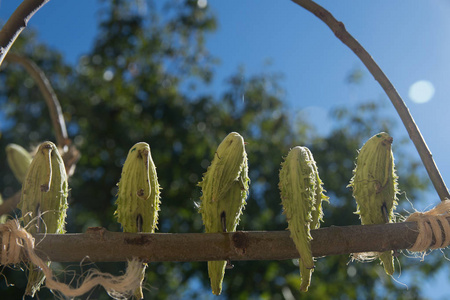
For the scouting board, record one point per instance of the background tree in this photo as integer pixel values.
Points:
(142, 82)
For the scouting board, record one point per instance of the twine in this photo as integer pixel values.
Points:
(432, 224)
(11, 245)
(16, 238)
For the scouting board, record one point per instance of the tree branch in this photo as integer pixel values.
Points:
(342, 34)
(50, 97)
(100, 245)
(69, 152)
(16, 23)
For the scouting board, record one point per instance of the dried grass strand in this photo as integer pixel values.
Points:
(15, 238)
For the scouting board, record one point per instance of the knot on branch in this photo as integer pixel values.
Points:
(15, 238)
(434, 228)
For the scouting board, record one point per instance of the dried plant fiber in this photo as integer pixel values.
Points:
(434, 228)
(15, 238)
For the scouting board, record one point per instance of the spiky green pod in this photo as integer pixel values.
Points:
(317, 213)
(138, 196)
(374, 185)
(44, 201)
(19, 160)
(301, 196)
(225, 188)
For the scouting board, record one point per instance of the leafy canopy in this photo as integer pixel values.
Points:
(141, 82)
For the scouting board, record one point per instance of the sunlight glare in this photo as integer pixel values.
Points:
(202, 3)
(421, 91)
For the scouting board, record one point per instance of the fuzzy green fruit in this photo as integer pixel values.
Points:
(4, 217)
(225, 188)
(19, 160)
(301, 196)
(44, 201)
(374, 185)
(138, 198)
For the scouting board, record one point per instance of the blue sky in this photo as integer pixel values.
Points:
(409, 40)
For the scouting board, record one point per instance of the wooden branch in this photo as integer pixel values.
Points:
(69, 152)
(342, 34)
(50, 97)
(100, 245)
(16, 23)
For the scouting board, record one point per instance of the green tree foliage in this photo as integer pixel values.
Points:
(138, 84)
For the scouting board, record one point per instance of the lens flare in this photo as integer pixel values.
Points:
(421, 91)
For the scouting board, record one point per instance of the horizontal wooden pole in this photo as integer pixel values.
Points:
(101, 245)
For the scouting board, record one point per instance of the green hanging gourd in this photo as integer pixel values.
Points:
(138, 197)
(44, 201)
(225, 188)
(19, 160)
(374, 185)
(301, 196)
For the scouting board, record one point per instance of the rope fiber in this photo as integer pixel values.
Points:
(434, 228)
(15, 238)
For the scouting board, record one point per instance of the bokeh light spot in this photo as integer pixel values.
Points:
(202, 3)
(421, 91)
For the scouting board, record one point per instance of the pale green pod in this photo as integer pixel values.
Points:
(44, 201)
(225, 188)
(374, 185)
(301, 196)
(138, 197)
(4, 217)
(19, 160)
